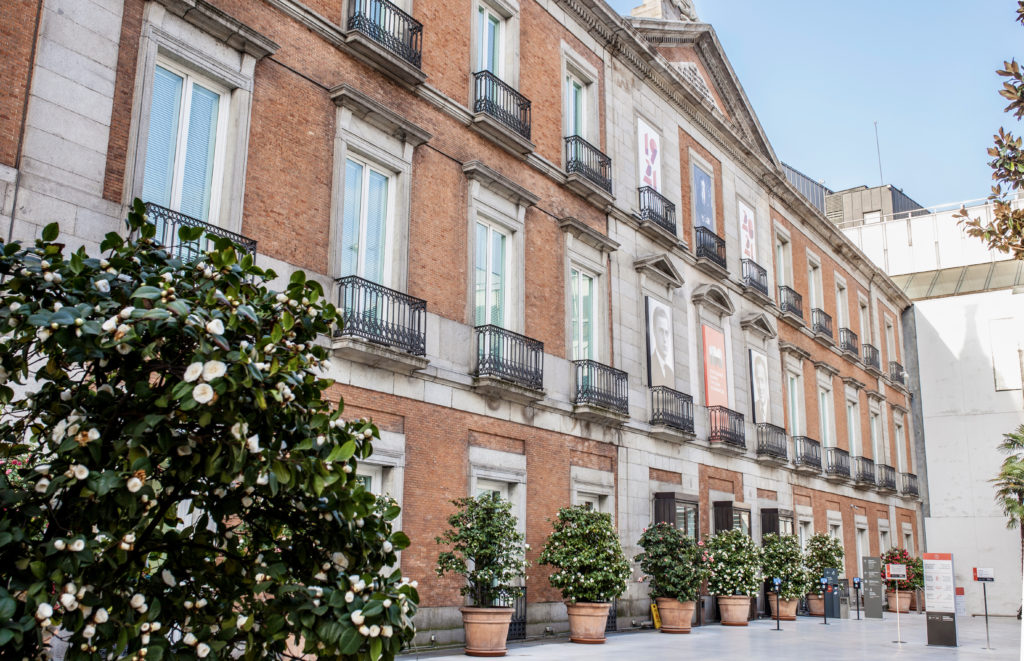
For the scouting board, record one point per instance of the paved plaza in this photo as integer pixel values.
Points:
(806, 639)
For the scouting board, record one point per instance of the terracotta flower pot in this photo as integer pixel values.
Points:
(486, 630)
(787, 607)
(734, 610)
(676, 616)
(587, 622)
(816, 605)
(904, 601)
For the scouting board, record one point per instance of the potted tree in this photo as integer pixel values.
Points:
(897, 594)
(489, 552)
(672, 561)
(590, 569)
(733, 565)
(781, 558)
(823, 552)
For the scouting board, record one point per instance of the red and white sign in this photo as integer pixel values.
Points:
(984, 574)
(894, 572)
(716, 382)
(650, 155)
(748, 232)
(939, 582)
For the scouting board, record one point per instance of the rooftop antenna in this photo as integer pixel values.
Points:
(881, 179)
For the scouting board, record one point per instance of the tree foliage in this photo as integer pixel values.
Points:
(782, 558)
(733, 563)
(186, 489)
(1006, 232)
(672, 560)
(585, 551)
(823, 552)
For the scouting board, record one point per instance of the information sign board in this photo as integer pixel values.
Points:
(874, 593)
(984, 574)
(940, 599)
(895, 572)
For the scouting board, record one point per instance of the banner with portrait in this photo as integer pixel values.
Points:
(748, 231)
(716, 382)
(759, 392)
(660, 351)
(703, 206)
(649, 155)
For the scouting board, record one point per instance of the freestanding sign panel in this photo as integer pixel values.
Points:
(940, 599)
(871, 586)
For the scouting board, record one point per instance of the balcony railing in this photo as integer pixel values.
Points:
(601, 385)
(671, 408)
(886, 477)
(837, 462)
(790, 301)
(821, 322)
(726, 426)
(710, 246)
(910, 484)
(510, 356)
(896, 372)
(864, 470)
(656, 208)
(586, 159)
(871, 356)
(389, 26)
(755, 276)
(848, 341)
(496, 98)
(771, 441)
(807, 452)
(168, 222)
(381, 315)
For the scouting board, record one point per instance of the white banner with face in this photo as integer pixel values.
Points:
(660, 351)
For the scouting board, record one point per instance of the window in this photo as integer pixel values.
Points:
(897, 429)
(584, 315)
(890, 341)
(783, 261)
(490, 31)
(883, 541)
(490, 269)
(835, 531)
(853, 427)
(371, 477)
(741, 520)
(865, 323)
(908, 541)
(795, 394)
(785, 525)
(825, 414)
(492, 486)
(875, 422)
(184, 148)
(575, 106)
(862, 547)
(814, 293)
(679, 512)
(686, 518)
(842, 306)
(805, 532)
(364, 233)
(872, 217)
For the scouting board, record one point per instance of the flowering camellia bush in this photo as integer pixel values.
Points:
(486, 549)
(733, 564)
(781, 558)
(588, 559)
(672, 561)
(915, 575)
(186, 491)
(823, 552)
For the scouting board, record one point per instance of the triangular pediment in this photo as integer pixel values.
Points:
(660, 269)
(715, 298)
(760, 324)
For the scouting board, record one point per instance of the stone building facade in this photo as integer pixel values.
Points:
(572, 267)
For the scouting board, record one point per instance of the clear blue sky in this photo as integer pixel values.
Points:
(819, 73)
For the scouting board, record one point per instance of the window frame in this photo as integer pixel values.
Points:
(826, 417)
(595, 349)
(842, 302)
(507, 13)
(492, 227)
(783, 258)
(797, 421)
(815, 284)
(853, 431)
(370, 165)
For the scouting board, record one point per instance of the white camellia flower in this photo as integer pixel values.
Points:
(68, 601)
(357, 617)
(349, 597)
(202, 393)
(126, 312)
(44, 469)
(101, 616)
(77, 545)
(43, 611)
(81, 472)
(253, 444)
(42, 485)
(137, 601)
(374, 631)
(89, 631)
(214, 369)
(240, 621)
(134, 484)
(215, 327)
(59, 544)
(202, 650)
(189, 639)
(386, 631)
(102, 286)
(387, 547)
(168, 578)
(193, 372)
(364, 631)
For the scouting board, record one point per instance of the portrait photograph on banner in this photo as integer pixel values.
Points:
(660, 354)
(703, 207)
(716, 382)
(759, 386)
(650, 155)
(748, 234)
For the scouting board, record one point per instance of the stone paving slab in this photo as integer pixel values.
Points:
(806, 639)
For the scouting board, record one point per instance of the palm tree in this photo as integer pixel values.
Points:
(1010, 485)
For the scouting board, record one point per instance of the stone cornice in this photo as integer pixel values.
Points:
(499, 183)
(589, 236)
(379, 115)
(222, 26)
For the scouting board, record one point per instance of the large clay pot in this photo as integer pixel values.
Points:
(587, 622)
(486, 630)
(816, 605)
(904, 601)
(676, 616)
(787, 607)
(734, 610)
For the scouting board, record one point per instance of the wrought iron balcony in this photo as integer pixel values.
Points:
(807, 451)
(710, 246)
(848, 341)
(896, 373)
(586, 159)
(381, 315)
(726, 427)
(871, 356)
(755, 276)
(602, 386)
(910, 485)
(389, 26)
(791, 302)
(656, 208)
(509, 356)
(837, 462)
(821, 322)
(497, 99)
(771, 441)
(864, 470)
(671, 408)
(168, 221)
(886, 477)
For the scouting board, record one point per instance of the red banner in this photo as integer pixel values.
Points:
(716, 382)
